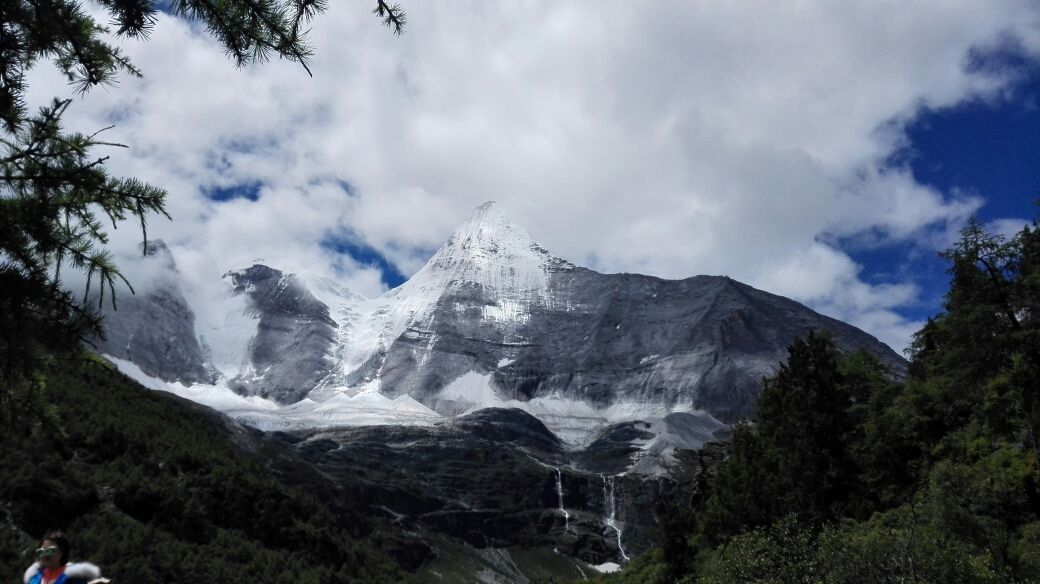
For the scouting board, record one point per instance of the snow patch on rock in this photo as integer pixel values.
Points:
(473, 389)
(607, 568)
(217, 396)
(226, 332)
(364, 409)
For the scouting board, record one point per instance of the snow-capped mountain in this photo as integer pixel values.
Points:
(501, 398)
(492, 320)
(156, 328)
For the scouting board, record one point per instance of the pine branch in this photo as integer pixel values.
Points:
(393, 16)
(132, 18)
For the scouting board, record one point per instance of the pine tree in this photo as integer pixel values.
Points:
(935, 479)
(56, 195)
(985, 345)
(805, 456)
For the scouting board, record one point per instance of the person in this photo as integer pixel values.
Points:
(52, 565)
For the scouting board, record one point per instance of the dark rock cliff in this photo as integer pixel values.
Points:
(155, 328)
(609, 338)
(291, 353)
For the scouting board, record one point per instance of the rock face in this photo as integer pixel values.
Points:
(155, 329)
(291, 352)
(494, 303)
(497, 478)
(704, 343)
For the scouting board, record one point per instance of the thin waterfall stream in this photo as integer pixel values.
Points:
(559, 492)
(610, 512)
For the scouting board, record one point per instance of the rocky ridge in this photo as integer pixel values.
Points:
(492, 319)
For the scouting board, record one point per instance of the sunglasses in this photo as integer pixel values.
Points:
(46, 552)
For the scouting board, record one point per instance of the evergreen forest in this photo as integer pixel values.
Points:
(849, 475)
(155, 490)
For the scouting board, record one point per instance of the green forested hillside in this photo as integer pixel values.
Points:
(155, 493)
(850, 476)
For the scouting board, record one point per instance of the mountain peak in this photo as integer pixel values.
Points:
(158, 250)
(488, 243)
(487, 231)
(489, 252)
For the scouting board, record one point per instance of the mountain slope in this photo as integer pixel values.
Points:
(154, 489)
(156, 328)
(494, 320)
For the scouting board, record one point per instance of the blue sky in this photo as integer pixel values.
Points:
(984, 148)
(989, 149)
(821, 150)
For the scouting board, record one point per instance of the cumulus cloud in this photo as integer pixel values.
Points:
(743, 138)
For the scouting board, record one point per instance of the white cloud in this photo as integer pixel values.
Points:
(671, 138)
(842, 294)
(1008, 228)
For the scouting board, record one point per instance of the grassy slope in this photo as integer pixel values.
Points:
(153, 492)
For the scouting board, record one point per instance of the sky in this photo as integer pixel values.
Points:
(824, 151)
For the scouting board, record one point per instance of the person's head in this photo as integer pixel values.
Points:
(54, 550)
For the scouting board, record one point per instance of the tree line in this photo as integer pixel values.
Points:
(849, 475)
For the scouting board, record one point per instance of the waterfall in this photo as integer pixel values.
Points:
(610, 512)
(559, 492)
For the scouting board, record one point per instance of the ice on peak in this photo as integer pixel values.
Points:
(282, 264)
(487, 251)
(490, 251)
(487, 232)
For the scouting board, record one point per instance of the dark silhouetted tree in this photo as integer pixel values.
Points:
(56, 196)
